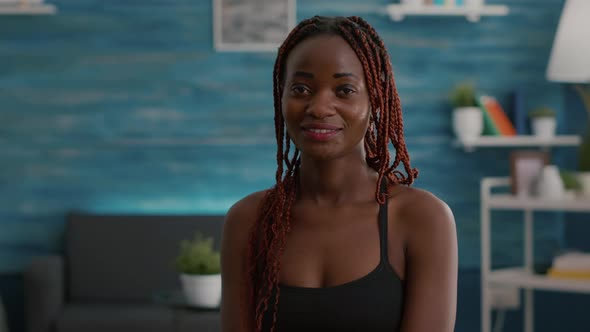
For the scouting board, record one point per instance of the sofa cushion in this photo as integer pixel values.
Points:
(190, 321)
(132, 317)
(115, 318)
(128, 258)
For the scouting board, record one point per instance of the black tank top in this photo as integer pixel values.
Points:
(372, 303)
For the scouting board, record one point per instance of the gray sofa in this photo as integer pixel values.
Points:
(112, 270)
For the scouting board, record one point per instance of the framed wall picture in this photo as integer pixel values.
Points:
(252, 25)
(525, 167)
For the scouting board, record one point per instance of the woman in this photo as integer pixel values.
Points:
(341, 242)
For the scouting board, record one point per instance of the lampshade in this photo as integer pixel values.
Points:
(570, 55)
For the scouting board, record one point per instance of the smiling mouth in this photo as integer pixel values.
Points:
(320, 134)
(320, 131)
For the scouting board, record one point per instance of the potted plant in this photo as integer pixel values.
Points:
(584, 165)
(199, 266)
(543, 122)
(467, 116)
(571, 183)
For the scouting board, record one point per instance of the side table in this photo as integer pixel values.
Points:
(184, 314)
(3, 324)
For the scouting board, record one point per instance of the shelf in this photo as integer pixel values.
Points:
(24, 8)
(520, 141)
(519, 277)
(511, 202)
(397, 12)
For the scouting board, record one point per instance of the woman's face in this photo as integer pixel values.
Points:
(325, 101)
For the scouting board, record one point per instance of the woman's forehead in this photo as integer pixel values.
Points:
(330, 52)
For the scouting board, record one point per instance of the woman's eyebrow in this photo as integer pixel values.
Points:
(303, 74)
(340, 75)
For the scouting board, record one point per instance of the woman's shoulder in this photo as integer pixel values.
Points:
(237, 227)
(243, 213)
(420, 209)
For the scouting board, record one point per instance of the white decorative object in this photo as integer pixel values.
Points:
(202, 290)
(549, 185)
(570, 56)
(544, 127)
(467, 123)
(584, 179)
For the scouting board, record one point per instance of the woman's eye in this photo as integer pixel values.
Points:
(299, 90)
(347, 91)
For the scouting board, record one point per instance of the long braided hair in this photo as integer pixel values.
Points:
(267, 239)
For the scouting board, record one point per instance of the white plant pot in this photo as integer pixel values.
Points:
(467, 123)
(544, 127)
(584, 179)
(202, 290)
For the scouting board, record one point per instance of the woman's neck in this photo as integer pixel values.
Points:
(333, 182)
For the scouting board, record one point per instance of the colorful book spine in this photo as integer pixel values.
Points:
(489, 126)
(569, 274)
(519, 114)
(498, 115)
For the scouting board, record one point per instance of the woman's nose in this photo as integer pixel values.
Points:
(321, 105)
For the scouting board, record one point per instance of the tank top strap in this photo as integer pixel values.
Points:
(383, 221)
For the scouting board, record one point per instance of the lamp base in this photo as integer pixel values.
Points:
(584, 92)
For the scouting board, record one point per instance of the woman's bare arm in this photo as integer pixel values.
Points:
(236, 313)
(431, 265)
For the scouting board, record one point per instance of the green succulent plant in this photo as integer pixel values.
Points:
(570, 181)
(541, 112)
(463, 95)
(198, 257)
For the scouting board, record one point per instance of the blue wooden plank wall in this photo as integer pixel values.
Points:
(124, 106)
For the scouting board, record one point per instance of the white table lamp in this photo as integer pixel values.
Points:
(570, 56)
(570, 63)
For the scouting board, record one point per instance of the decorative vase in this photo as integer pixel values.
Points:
(549, 183)
(202, 290)
(544, 127)
(584, 179)
(467, 123)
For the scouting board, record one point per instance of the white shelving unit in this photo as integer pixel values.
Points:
(520, 277)
(519, 141)
(397, 12)
(26, 7)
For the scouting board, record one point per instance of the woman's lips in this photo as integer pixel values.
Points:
(320, 133)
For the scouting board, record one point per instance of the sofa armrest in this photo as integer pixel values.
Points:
(44, 292)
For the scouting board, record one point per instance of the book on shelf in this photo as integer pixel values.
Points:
(571, 265)
(569, 274)
(519, 115)
(489, 126)
(496, 121)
